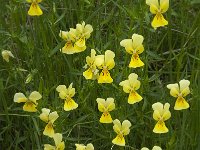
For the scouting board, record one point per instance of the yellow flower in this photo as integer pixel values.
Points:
(130, 86)
(83, 147)
(154, 148)
(105, 62)
(59, 144)
(121, 130)
(161, 113)
(76, 38)
(158, 9)
(67, 94)
(70, 38)
(134, 47)
(180, 91)
(92, 71)
(34, 9)
(106, 107)
(6, 55)
(49, 118)
(30, 102)
(83, 32)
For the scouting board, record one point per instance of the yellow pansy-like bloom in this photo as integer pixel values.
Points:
(92, 71)
(70, 38)
(134, 47)
(30, 102)
(180, 91)
(6, 55)
(154, 148)
(161, 113)
(59, 144)
(34, 9)
(83, 33)
(121, 130)
(83, 147)
(105, 62)
(106, 107)
(76, 38)
(130, 86)
(158, 9)
(49, 118)
(67, 94)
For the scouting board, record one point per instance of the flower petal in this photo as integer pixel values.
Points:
(126, 86)
(57, 138)
(101, 104)
(144, 148)
(119, 140)
(125, 127)
(35, 10)
(70, 105)
(174, 89)
(106, 118)
(164, 5)
(89, 146)
(109, 59)
(184, 84)
(135, 62)
(53, 116)
(134, 97)
(159, 21)
(19, 97)
(137, 40)
(181, 103)
(105, 77)
(68, 48)
(128, 45)
(117, 126)
(44, 116)
(110, 104)
(160, 127)
(156, 148)
(49, 131)
(49, 147)
(29, 106)
(34, 96)
(88, 74)
(80, 42)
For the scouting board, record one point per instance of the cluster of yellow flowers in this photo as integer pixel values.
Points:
(100, 62)
(97, 68)
(76, 38)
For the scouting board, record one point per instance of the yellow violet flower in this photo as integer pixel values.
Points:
(92, 71)
(161, 113)
(154, 148)
(130, 86)
(30, 102)
(6, 55)
(83, 147)
(121, 130)
(59, 144)
(106, 107)
(67, 94)
(180, 91)
(34, 9)
(158, 9)
(134, 47)
(105, 62)
(70, 38)
(49, 118)
(76, 38)
(83, 32)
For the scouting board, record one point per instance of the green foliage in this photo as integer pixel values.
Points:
(171, 54)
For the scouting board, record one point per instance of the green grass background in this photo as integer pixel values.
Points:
(171, 54)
